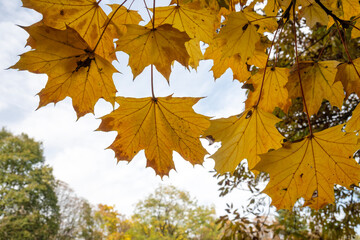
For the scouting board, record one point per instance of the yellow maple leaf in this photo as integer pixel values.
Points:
(273, 6)
(348, 74)
(259, 59)
(354, 123)
(310, 168)
(350, 8)
(197, 22)
(85, 16)
(355, 32)
(72, 68)
(318, 84)
(159, 46)
(193, 18)
(265, 23)
(212, 5)
(160, 126)
(313, 13)
(244, 136)
(240, 36)
(194, 51)
(123, 16)
(274, 94)
(221, 64)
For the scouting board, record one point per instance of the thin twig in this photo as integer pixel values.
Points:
(323, 49)
(147, 9)
(152, 66)
(346, 49)
(280, 26)
(267, 60)
(317, 41)
(343, 22)
(298, 71)
(277, 46)
(153, 21)
(131, 4)
(107, 23)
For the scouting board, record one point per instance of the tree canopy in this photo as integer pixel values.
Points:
(170, 213)
(28, 202)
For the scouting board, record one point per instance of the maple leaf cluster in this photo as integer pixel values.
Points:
(76, 41)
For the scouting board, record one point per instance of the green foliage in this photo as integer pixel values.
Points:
(290, 225)
(170, 213)
(89, 229)
(28, 203)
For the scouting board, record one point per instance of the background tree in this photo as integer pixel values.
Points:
(70, 208)
(76, 214)
(169, 213)
(113, 225)
(89, 229)
(28, 202)
(290, 225)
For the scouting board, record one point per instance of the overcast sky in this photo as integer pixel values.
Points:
(77, 152)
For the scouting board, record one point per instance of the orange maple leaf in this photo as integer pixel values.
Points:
(160, 126)
(73, 70)
(85, 16)
(310, 168)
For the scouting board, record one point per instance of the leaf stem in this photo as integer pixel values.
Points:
(280, 26)
(298, 70)
(131, 4)
(263, 17)
(107, 24)
(152, 82)
(323, 49)
(153, 21)
(152, 66)
(354, 25)
(147, 9)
